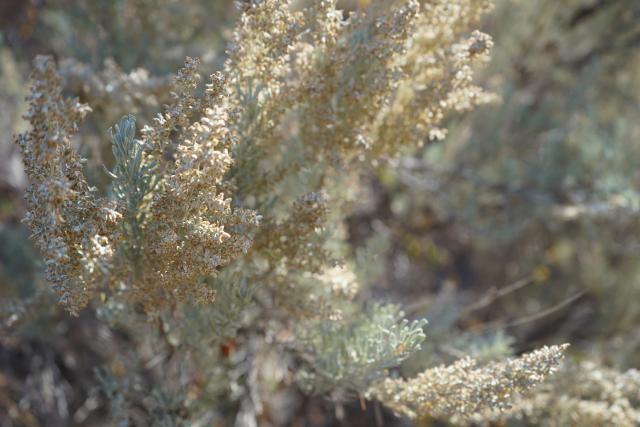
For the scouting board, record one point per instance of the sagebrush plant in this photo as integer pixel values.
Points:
(223, 221)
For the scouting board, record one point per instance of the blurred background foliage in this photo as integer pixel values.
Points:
(533, 203)
(520, 229)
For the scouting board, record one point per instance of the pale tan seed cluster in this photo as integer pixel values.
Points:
(464, 389)
(291, 243)
(192, 230)
(314, 93)
(188, 229)
(436, 74)
(347, 73)
(371, 85)
(585, 394)
(341, 281)
(293, 252)
(71, 226)
(259, 71)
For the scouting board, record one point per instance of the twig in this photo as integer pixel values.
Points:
(495, 294)
(494, 326)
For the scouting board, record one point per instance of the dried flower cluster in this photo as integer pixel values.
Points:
(314, 94)
(585, 394)
(464, 389)
(191, 230)
(165, 233)
(70, 225)
(289, 244)
(437, 64)
(329, 90)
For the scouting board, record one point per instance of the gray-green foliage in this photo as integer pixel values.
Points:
(134, 180)
(347, 357)
(112, 388)
(222, 321)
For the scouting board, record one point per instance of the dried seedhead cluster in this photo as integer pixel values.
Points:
(70, 224)
(165, 231)
(463, 389)
(585, 394)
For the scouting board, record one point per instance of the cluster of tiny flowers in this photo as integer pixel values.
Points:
(344, 89)
(313, 90)
(193, 230)
(188, 227)
(72, 227)
(290, 244)
(585, 394)
(464, 389)
(436, 74)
